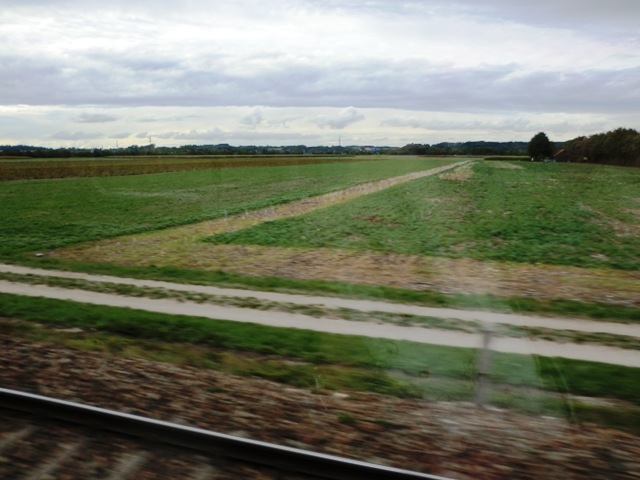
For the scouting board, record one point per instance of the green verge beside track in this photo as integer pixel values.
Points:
(391, 367)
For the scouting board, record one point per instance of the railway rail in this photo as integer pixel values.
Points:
(47, 438)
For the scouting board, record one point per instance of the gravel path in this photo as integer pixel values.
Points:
(289, 320)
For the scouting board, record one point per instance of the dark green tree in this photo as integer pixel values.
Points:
(540, 147)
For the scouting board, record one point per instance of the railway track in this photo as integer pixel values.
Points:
(42, 438)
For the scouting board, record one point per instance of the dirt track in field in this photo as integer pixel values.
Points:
(181, 247)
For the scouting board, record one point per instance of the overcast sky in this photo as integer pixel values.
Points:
(90, 73)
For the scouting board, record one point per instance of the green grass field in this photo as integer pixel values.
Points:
(40, 214)
(583, 215)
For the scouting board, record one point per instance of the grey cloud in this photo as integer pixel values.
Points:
(119, 136)
(284, 122)
(504, 88)
(96, 118)
(142, 76)
(274, 138)
(517, 124)
(588, 91)
(207, 135)
(410, 122)
(541, 11)
(252, 137)
(596, 16)
(138, 61)
(371, 84)
(565, 12)
(339, 121)
(560, 128)
(23, 78)
(66, 135)
(166, 118)
(514, 124)
(252, 119)
(244, 137)
(143, 54)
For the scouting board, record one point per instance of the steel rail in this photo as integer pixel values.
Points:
(203, 441)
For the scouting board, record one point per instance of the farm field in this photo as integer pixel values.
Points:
(30, 169)
(548, 238)
(586, 216)
(42, 214)
(456, 253)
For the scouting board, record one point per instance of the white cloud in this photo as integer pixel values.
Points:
(343, 119)
(253, 118)
(78, 135)
(207, 136)
(96, 118)
(120, 136)
(561, 126)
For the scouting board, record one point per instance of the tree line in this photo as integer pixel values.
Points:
(617, 147)
(476, 148)
(224, 149)
(464, 148)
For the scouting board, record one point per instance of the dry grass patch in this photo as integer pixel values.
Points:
(459, 174)
(508, 165)
(621, 229)
(415, 272)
